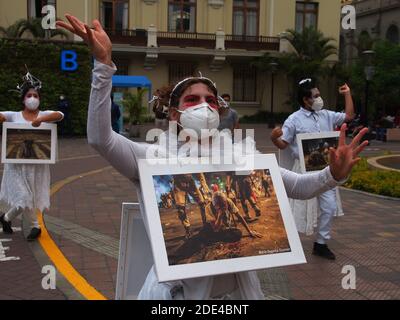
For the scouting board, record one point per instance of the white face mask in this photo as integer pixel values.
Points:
(318, 104)
(198, 117)
(32, 103)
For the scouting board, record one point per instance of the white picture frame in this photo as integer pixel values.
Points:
(270, 257)
(15, 151)
(319, 138)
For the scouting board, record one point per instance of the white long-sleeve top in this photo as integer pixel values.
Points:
(123, 155)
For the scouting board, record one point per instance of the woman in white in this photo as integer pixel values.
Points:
(26, 187)
(187, 98)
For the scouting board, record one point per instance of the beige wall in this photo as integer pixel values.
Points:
(11, 11)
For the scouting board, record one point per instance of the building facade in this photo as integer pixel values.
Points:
(375, 19)
(167, 40)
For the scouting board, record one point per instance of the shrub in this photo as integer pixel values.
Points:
(43, 58)
(265, 117)
(386, 183)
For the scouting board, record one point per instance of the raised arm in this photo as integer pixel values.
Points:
(349, 105)
(116, 149)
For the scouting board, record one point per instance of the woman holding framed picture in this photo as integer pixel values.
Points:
(25, 188)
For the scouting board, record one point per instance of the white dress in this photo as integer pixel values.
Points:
(123, 154)
(25, 185)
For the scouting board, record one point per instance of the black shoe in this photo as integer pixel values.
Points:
(323, 251)
(258, 213)
(6, 225)
(34, 234)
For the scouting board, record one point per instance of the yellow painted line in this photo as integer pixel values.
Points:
(55, 254)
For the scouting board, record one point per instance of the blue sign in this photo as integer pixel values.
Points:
(68, 60)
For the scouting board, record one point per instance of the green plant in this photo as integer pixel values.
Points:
(309, 59)
(14, 30)
(34, 27)
(133, 102)
(43, 58)
(386, 183)
(264, 117)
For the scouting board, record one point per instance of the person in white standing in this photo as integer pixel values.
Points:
(194, 105)
(310, 118)
(26, 187)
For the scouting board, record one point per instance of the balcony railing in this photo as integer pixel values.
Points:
(186, 39)
(191, 39)
(252, 42)
(132, 37)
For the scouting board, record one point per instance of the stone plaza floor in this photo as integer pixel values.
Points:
(84, 221)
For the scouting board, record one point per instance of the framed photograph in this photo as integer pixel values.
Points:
(22, 143)
(206, 219)
(314, 149)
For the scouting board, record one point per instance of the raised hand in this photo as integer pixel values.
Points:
(345, 89)
(345, 156)
(96, 38)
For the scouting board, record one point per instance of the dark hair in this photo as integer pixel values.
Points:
(182, 88)
(25, 90)
(226, 95)
(304, 90)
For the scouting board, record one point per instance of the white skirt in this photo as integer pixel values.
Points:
(306, 212)
(25, 186)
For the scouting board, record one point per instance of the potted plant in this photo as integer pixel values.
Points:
(137, 111)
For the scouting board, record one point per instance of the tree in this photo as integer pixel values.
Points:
(13, 31)
(309, 59)
(34, 27)
(385, 85)
(133, 102)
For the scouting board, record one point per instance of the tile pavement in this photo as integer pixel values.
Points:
(366, 237)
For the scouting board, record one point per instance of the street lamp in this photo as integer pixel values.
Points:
(273, 67)
(369, 71)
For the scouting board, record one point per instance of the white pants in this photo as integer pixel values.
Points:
(328, 208)
(29, 214)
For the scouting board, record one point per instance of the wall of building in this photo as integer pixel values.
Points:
(9, 13)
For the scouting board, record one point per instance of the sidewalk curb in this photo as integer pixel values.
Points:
(370, 194)
(43, 260)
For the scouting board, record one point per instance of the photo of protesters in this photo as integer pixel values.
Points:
(316, 152)
(206, 216)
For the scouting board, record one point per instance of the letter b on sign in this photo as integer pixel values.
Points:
(68, 60)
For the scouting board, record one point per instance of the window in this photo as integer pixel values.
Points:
(114, 14)
(180, 70)
(245, 17)
(35, 7)
(244, 83)
(392, 34)
(182, 15)
(306, 15)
